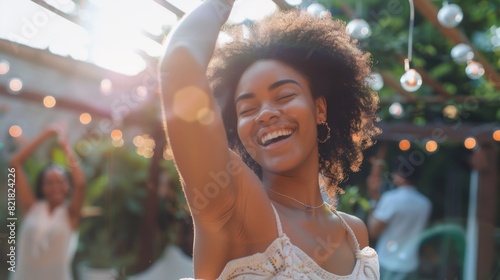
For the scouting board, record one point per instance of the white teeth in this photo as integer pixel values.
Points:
(275, 134)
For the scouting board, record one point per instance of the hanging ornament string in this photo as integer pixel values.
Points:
(410, 34)
(307, 206)
(411, 79)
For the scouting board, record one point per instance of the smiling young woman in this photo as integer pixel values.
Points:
(253, 127)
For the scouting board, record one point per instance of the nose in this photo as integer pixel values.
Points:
(267, 115)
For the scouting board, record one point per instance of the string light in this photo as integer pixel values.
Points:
(411, 79)
(85, 118)
(470, 143)
(49, 101)
(4, 67)
(404, 145)
(396, 110)
(431, 146)
(358, 28)
(496, 135)
(116, 134)
(450, 111)
(293, 2)
(15, 85)
(15, 131)
(474, 70)
(317, 9)
(106, 86)
(462, 53)
(450, 15)
(375, 81)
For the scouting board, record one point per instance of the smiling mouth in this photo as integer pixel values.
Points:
(275, 136)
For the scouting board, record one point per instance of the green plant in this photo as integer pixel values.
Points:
(353, 202)
(118, 189)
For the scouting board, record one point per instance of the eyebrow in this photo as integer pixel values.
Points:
(282, 82)
(273, 86)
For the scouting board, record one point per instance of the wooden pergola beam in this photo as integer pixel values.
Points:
(429, 11)
(169, 6)
(450, 132)
(458, 99)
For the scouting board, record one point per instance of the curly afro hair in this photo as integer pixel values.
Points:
(322, 50)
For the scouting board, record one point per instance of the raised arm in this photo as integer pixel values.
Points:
(194, 124)
(79, 181)
(24, 193)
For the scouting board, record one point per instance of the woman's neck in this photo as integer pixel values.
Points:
(295, 190)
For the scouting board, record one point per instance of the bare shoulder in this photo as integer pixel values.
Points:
(358, 227)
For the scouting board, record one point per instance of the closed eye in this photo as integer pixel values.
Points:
(286, 97)
(246, 111)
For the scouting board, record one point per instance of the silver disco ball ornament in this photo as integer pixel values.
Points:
(462, 53)
(359, 29)
(450, 15)
(474, 70)
(317, 9)
(375, 81)
(411, 80)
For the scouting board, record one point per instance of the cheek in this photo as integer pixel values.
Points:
(245, 134)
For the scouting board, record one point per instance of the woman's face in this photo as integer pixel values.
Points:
(277, 116)
(55, 186)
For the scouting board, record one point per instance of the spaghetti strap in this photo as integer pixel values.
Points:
(278, 221)
(349, 230)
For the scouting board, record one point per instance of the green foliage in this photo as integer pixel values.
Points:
(110, 237)
(352, 201)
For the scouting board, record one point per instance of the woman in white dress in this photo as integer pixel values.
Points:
(49, 216)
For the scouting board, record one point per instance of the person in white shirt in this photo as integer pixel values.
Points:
(397, 221)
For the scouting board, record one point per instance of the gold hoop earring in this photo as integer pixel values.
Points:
(324, 126)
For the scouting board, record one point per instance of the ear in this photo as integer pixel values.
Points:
(320, 109)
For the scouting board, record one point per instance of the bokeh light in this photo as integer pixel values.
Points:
(142, 91)
(396, 110)
(431, 146)
(404, 145)
(474, 70)
(145, 145)
(49, 101)
(117, 142)
(4, 67)
(470, 143)
(15, 131)
(116, 134)
(85, 118)
(496, 135)
(15, 85)
(450, 111)
(375, 81)
(106, 86)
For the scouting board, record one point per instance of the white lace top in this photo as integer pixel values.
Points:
(283, 260)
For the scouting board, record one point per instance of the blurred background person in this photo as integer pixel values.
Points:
(397, 220)
(50, 215)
